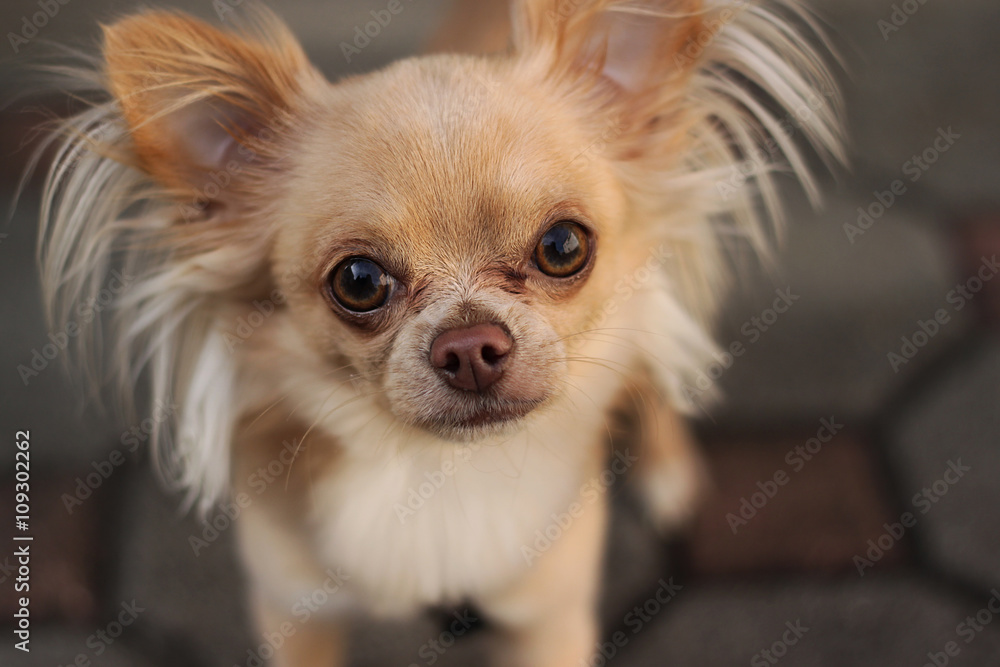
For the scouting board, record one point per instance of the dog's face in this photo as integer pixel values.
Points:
(456, 236)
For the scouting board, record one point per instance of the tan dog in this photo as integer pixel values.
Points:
(429, 285)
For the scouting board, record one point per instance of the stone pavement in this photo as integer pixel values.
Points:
(855, 513)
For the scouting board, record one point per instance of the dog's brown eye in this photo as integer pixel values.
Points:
(360, 284)
(563, 250)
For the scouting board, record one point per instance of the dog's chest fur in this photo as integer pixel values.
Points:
(438, 524)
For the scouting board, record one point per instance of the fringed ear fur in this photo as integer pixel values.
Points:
(165, 182)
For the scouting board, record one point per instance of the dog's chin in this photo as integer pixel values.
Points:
(465, 424)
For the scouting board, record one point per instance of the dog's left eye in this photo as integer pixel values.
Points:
(360, 285)
(564, 250)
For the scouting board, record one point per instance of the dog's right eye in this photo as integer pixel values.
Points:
(360, 285)
(563, 250)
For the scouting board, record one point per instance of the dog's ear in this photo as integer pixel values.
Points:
(629, 56)
(196, 98)
(634, 44)
(662, 67)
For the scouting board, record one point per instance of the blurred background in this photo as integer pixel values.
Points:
(890, 347)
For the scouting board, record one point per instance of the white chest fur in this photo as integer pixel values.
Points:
(439, 523)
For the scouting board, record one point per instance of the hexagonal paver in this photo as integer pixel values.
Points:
(850, 306)
(419, 642)
(65, 549)
(903, 84)
(862, 623)
(195, 600)
(953, 425)
(62, 646)
(792, 504)
(37, 392)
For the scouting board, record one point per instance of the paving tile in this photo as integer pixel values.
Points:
(419, 642)
(979, 241)
(777, 506)
(635, 556)
(65, 553)
(851, 305)
(955, 422)
(51, 646)
(197, 600)
(903, 85)
(38, 396)
(861, 623)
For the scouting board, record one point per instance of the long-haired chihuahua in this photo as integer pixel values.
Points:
(423, 290)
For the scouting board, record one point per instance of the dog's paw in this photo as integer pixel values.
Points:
(672, 492)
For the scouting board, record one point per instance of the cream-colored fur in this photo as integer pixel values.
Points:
(229, 179)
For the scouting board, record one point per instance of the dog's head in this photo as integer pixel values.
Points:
(439, 229)
(445, 231)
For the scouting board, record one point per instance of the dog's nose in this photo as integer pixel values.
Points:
(471, 358)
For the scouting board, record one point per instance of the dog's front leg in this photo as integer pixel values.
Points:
(671, 473)
(313, 643)
(551, 612)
